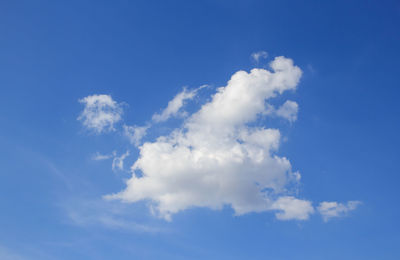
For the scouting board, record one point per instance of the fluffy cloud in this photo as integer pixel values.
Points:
(292, 208)
(135, 133)
(101, 113)
(333, 209)
(288, 111)
(256, 56)
(216, 158)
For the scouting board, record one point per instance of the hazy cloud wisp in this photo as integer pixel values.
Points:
(100, 114)
(334, 209)
(175, 105)
(256, 56)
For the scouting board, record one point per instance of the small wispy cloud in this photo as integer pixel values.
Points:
(100, 157)
(287, 110)
(174, 106)
(118, 161)
(100, 114)
(334, 209)
(256, 56)
(135, 134)
(292, 208)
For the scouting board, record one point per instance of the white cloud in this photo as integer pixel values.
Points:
(99, 157)
(100, 114)
(216, 158)
(135, 133)
(174, 106)
(118, 162)
(288, 111)
(333, 209)
(292, 208)
(256, 56)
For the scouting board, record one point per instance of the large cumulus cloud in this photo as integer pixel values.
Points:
(216, 158)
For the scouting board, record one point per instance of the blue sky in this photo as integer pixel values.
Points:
(90, 88)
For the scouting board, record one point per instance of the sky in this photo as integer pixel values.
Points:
(199, 129)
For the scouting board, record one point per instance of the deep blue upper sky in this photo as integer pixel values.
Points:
(345, 141)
